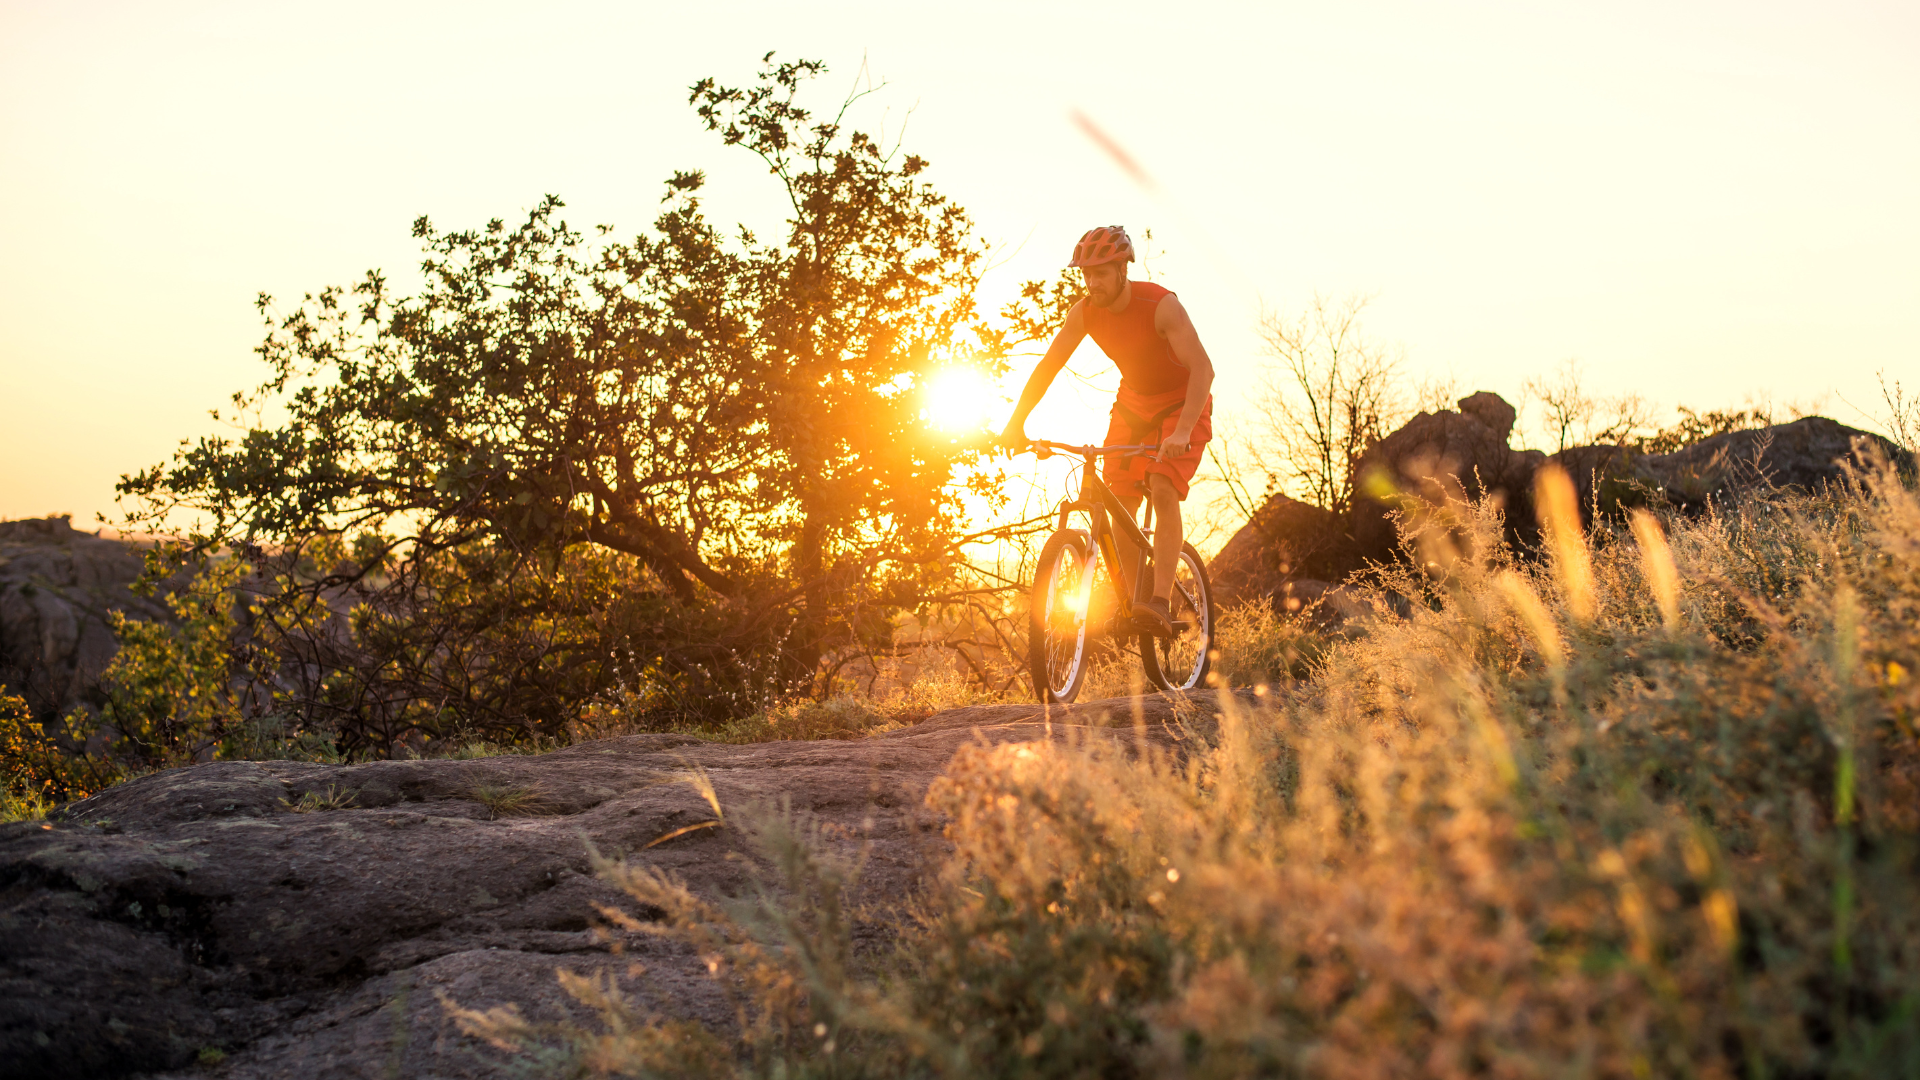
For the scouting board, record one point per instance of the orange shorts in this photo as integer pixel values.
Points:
(1150, 418)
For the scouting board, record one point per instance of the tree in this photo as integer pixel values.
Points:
(1574, 418)
(1328, 396)
(698, 449)
(1695, 426)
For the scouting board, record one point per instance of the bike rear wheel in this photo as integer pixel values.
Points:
(1181, 662)
(1057, 628)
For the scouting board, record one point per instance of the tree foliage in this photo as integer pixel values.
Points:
(1697, 426)
(693, 457)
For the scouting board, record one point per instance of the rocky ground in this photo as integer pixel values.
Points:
(201, 908)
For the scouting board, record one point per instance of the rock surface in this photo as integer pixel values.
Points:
(197, 909)
(56, 587)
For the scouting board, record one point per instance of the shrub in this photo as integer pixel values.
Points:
(1254, 645)
(171, 699)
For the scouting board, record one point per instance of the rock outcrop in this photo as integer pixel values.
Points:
(1292, 552)
(1437, 456)
(201, 908)
(1289, 550)
(56, 587)
(1806, 454)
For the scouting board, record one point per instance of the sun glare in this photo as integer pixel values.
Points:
(961, 401)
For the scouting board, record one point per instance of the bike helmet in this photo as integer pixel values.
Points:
(1102, 245)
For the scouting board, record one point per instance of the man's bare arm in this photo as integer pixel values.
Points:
(1072, 331)
(1171, 320)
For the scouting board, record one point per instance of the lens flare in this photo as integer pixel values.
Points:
(961, 401)
(1080, 597)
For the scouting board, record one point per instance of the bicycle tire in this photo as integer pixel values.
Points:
(1181, 662)
(1058, 637)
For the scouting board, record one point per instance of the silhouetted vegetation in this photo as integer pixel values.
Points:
(691, 462)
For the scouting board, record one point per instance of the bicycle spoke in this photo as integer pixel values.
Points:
(1183, 657)
(1186, 594)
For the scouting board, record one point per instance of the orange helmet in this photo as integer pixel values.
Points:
(1102, 245)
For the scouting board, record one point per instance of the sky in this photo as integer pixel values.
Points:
(1704, 203)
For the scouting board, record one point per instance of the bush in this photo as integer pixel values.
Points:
(44, 762)
(21, 799)
(1256, 646)
(171, 699)
(1647, 807)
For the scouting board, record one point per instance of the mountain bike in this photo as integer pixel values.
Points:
(1081, 591)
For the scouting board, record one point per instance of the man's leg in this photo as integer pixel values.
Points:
(1166, 551)
(1166, 533)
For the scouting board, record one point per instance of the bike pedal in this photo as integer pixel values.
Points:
(1152, 629)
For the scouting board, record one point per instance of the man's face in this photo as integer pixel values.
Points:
(1104, 282)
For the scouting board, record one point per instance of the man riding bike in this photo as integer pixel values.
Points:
(1165, 397)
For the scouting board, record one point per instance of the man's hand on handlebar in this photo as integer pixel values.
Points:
(1014, 439)
(1174, 446)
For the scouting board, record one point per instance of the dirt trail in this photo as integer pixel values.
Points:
(195, 909)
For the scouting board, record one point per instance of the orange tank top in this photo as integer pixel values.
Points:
(1145, 360)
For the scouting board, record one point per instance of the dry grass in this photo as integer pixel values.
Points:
(507, 800)
(853, 715)
(22, 806)
(1650, 807)
(316, 801)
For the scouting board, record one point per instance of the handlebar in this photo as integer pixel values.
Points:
(1044, 449)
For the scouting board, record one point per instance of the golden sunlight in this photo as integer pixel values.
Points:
(961, 400)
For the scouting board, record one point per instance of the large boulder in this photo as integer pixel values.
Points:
(57, 586)
(306, 919)
(1806, 455)
(1295, 554)
(1438, 456)
(1288, 550)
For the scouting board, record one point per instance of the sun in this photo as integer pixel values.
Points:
(961, 401)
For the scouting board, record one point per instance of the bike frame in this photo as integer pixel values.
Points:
(1103, 508)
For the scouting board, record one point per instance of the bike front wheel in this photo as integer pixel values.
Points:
(1181, 662)
(1057, 625)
